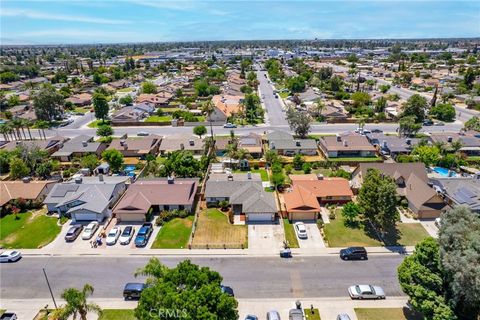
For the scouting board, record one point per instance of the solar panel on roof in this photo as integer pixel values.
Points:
(461, 198)
(466, 192)
(62, 190)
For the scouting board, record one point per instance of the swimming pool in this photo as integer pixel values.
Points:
(444, 172)
(129, 168)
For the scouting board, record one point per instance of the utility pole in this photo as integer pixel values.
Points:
(50, 289)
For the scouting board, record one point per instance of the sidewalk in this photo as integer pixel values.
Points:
(329, 307)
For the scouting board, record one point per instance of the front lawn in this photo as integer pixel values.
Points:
(387, 313)
(166, 118)
(174, 234)
(82, 109)
(355, 159)
(117, 314)
(311, 316)
(360, 234)
(290, 234)
(284, 95)
(96, 123)
(213, 230)
(28, 231)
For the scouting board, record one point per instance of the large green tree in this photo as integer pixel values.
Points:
(408, 126)
(48, 103)
(149, 87)
(187, 291)
(299, 122)
(18, 168)
(181, 163)
(100, 106)
(114, 159)
(76, 304)
(415, 106)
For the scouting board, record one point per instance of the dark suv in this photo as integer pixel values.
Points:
(143, 234)
(133, 290)
(353, 253)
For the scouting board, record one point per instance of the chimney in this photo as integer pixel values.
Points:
(449, 139)
(339, 137)
(249, 175)
(100, 177)
(345, 143)
(191, 142)
(84, 143)
(182, 146)
(78, 180)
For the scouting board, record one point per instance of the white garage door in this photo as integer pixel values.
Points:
(259, 217)
(84, 216)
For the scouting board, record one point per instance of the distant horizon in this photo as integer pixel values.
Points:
(84, 22)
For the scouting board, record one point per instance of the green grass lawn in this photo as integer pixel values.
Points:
(117, 314)
(171, 110)
(284, 95)
(339, 235)
(96, 123)
(290, 235)
(174, 234)
(166, 118)
(356, 159)
(263, 173)
(312, 316)
(386, 313)
(125, 90)
(82, 109)
(27, 232)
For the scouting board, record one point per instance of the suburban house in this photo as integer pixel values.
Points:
(137, 147)
(284, 144)
(244, 192)
(412, 183)
(25, 189)
(78, 147)
(86, 198)
(460, 191)
(346, 145)
(392, 145)
(252, 143)
(309, 192)
(334, 111)
(133, 113)
(156, 195)
(182, 142)
(155, 99)
(50, 145)
(225, 106)
(82, 99)
(470, 141)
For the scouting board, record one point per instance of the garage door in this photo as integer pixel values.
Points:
(84, 216)
(131, 217)
(259, 217)
(302, 215)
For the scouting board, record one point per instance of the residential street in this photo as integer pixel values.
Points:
(275, 114)
(250, 278)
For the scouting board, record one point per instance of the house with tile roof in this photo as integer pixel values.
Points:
(137, 147)
(225, 106)
(346, 145)
(25, 189)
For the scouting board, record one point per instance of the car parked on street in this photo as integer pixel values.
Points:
(10, 256)
(143, 134)
(301, 230)
(354, 253)
(273, 315)
(229, 125)
(365, 291)
(113, 235)
(90, 230)
(73, 232)
(377, 131)
(143, 234)
(8, 316)
(127, 235)
(227, 290)
(133, 290)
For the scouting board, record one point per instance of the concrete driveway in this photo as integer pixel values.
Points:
(430, 226)
(314, 240)
(265, 236)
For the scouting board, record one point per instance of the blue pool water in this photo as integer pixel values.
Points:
(444, 172)
(129, 168)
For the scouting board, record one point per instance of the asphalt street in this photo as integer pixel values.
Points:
(275, 114)
(250, 277)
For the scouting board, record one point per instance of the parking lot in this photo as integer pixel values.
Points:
(265, 236)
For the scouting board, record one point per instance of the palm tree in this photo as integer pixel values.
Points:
(28, 124)
(12, 131)
(42, 125)
(77, 303)
(456, 145)
(208, 108)
(5, 130)
(17, 124)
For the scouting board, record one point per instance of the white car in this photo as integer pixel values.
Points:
(301, 230)
(10, 256)
(113, 236)
(127, 235)
(365, 291)
(229, 125)
(90, 230)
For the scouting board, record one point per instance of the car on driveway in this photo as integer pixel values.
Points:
(73, 232)
(301, 230)
(229, 125)
(127, 235)
(10, 256)
(366, 291)
(295, 314)
(143, 234)
(273, 315)
(90, 230)
(343, 316)
(354, 253)
(251, 317)
(8, 316)
(113, 235)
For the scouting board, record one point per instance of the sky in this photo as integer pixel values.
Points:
(119, 21)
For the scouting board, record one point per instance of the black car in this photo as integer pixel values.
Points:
(133, 290)
(143, 234)
(227, 290)
(377, 131)
(428, 122)
(73, 232)
(353, 253)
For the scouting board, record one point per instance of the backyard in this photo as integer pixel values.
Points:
(215, 231)
(28, 231)
(174, 234)
(386, 313)
(290, 235)
(339, 235)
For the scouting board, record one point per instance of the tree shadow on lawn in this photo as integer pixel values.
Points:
(390, 237)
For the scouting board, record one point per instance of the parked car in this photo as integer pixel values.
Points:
(143, 134)
(354, 253)
(273, 315)
(229, 125)
(343, 316)
(295, 314)
(301, 230)
(10, 256)
(439, 123)
(427, 122)
(8, 316)
(127, 235)
(365, 291)
(251, 317)
(90, 230)
(227, 290)
(73, 232)
(286, 253)
(143, 234)
(377, 131)
(133, 290)
(113, 236)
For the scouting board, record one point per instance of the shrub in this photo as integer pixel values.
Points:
(288, 168)
(332, 215)
(306, 168)
(256, 166)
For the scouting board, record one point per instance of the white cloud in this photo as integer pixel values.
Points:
(55, 16)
